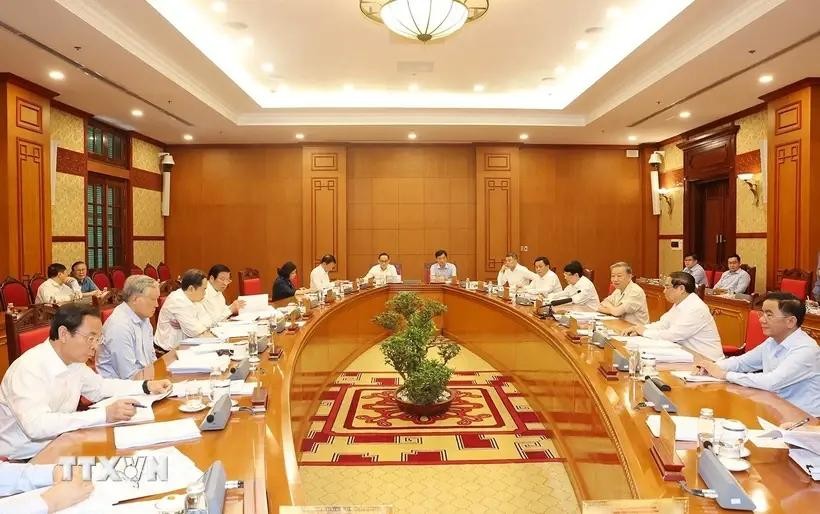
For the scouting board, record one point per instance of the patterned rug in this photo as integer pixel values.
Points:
(359, 423)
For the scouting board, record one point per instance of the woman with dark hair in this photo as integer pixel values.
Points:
(283, 286)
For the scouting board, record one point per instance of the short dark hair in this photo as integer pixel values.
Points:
(328, 259)
(73, 266)
(789, 305)
(542, 259)
(192, 277)
(512, 254)
(681, 278)
(286, 269)
(439, 253)
(216, 269)
(574, 268)
(54, 269)
(692, 255)
(70, 316)
(735, 256)
(385, 254)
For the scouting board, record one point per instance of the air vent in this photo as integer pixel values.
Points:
(633, 154)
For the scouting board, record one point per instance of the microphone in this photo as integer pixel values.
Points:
(663, 386)
(560, 301)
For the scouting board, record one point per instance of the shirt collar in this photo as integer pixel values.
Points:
(51, 362)
(794, 339)
(130, 313)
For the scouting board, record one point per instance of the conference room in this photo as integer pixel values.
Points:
(409, 256)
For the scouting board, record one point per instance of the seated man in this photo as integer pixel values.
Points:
(442, 270)
(42, 388)
(787, 363)
(816, 291)
(182, 314)
(219, 277)
(57, 289)
(688, 323)
(691, 266)
(381, 271)
(79, 272)
(579, 288)
(628, 300)
(544, 281)
(736, 280)
(319, 276)
(512, 273)
(128, 338)
(19, 478)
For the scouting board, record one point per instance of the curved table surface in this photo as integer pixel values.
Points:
(596, 428)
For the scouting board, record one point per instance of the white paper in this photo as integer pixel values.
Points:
(238, 387)
(95, 504)
(201, 341)
(804, 459)
(254, 303)
(686, 427)
(808, 440)
(150, 434)
(688, 376)
(143, 415)
(229, 330)
(198, 363)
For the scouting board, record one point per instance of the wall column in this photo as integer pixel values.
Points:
(498, 229)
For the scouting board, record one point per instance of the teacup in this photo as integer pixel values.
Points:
(171, 504)
(240, 350)
(731, 436)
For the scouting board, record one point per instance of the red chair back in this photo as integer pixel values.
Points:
(250, 282)
(718, 274)
(163, 271)
(29, 329)
(710, 277)
(101, 279)
(611, 288)
(799, 288)
(105, 313)
(13, 291)
(754, 332)
(135, 270)
(34, 285)
(752, 271)
(151, 272)
(118, 278)
(590, 274)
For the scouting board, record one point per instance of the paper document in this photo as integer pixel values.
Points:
(688, 376)
(201, 341)
(686, 427)
(199, 363)
(764, 438)
(236, 329)
(808, 462)
(149, 434)
(254, 303)
(238, 387)
(143, 415)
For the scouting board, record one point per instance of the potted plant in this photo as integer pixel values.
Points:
(409, 317)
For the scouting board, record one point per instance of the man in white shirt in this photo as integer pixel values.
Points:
(688, 323)
(787, 363)
(579, 288)
(442, 270)
(628, 300)
(320, 277)
(544, 281)
(41, 389)
(383, 270)
(17, 478)
(219, 277)
(736, 280)
(128, 338)
(182, 314)
(57, 289)
(512, 273)
(691, 266)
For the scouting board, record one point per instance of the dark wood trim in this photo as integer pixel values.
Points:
(11, 78)
(716, 123)
(71, 162)
(791, 88)
(670, 236)
(103, 168)
(751, 235)
(146, 179)
(68, 239)
(134, 134)
(148, 238)
(707, 138)
(71, 110)
(523, 146)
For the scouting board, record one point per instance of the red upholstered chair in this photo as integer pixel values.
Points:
(151, 272)
(794, 281)
(295, 281)
(29, 329)
(118, 277)
(250, 282)
(165, 288)
(101, 278)
(710, 277)
(13, 291)
(590, 274)
(754, 336)
(752, 271)
(135, 270)
(718, 274)
(34, 285)
(163, 272)
(107, 302)
(611, 288)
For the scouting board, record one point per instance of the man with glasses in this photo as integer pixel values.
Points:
(736, 280)
(688, 323)
(41, 390)
(219, 278)
(128, 338)
(382, 271)
(787, 363)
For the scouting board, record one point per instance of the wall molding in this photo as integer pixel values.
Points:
(68, 239)
(71, 162)
(670, 236)
(751, 235)
(145, 179)
(148, 238)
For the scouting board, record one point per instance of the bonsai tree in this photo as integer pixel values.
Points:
(410, 319)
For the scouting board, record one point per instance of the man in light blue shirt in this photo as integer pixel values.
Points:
(128, 338)
(693, 267)
(442, 270)
(736, 280)
(787, 363)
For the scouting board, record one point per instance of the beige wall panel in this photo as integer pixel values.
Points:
(68, 130)
(752, 132)
(149, 252)
(68, 212)
(144, 155)
(671, 259)
(670, 225)
(753, 253)
(67, 253)
(148, 220)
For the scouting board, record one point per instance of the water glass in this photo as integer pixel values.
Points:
(193, 397)
(253, 346)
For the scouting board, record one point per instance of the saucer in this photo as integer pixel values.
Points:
(744, 452)
(184, 407)
(735, 464)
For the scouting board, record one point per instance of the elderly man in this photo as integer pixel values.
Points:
(579, 288)
(219, 277)
(688, 323)
(320, 275)
(182, 314)
(544, 281)
(693, 267)
(128, 338)
(512, 273)
(442, 270)
(58, 288)
(41, 389)
(79, 272)
(787, 363)
(382, 271)
(736, 280)
(628, 300)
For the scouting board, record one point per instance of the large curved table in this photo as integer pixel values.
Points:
(596, 428)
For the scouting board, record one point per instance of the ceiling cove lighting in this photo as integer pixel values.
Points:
(424, 19)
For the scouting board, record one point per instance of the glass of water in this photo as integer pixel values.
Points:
(193, 397)
(253, 346)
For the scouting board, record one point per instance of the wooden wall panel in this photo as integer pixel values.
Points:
(497, 207)
(324, 207)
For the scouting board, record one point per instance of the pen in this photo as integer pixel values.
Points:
(139, 405)
(799, 424)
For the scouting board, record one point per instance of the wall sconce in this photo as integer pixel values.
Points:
(750, 180)
(167, 163)
(655, 161)
(666, 195)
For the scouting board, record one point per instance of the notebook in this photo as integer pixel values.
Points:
(688, 376)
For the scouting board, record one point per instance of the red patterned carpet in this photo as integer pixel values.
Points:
(358, 423)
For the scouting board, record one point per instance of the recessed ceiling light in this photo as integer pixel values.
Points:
(267, 67)
(614, 12)
(478, 88)
(560, 70)
(219, 7)
(523, 137)
(187, 137)
(581, 45)
(137, 113)
(685, 114)
(348, 87)
(246, 41)
(765, 79)
(413, 87)
(632, 138)
(299, 135)
(56, 74)
(411, 135)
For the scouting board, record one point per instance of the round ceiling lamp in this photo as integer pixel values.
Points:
(424, 19)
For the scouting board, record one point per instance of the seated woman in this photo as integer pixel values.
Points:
(283, 285)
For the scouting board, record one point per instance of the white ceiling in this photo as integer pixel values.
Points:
(317, 47)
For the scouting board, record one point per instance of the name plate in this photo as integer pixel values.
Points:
(656, 506)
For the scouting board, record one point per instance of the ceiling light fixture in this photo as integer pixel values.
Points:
(219, 7)
(411, 136)
(56, 74)
(478, 88)
(632, 138)
(765, 79)
(187, 137)
(685, 114)
(581, 45)
(136, 113)
(300, 136)
(246, 41)
(267, 67)
(424, 19)
(524, 137)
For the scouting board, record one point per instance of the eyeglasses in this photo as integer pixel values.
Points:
(768, 316)
(90, 339)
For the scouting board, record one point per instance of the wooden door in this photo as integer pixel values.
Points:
(714, 220)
